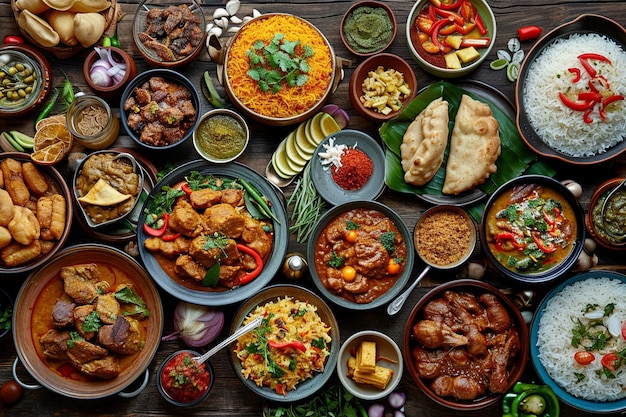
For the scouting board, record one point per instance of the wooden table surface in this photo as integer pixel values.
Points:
(229, 396)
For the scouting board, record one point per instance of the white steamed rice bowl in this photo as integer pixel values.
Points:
(555, 334)
(560, 127)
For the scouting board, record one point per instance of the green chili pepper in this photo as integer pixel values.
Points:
(48, 107)
(210, 92)
(260, 200)
(530, 400)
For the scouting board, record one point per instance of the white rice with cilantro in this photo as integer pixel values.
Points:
(555, 332)
(560, 127)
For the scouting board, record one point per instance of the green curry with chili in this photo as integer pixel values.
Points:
(530, 229)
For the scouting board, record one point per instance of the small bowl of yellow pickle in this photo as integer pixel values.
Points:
(222, 136)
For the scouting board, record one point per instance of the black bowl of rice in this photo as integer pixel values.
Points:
(570, 92)
(593, 302)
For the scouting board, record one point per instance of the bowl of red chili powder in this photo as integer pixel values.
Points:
(184, 382)
(348, 165)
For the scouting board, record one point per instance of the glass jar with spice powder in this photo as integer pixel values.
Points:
(92, 122)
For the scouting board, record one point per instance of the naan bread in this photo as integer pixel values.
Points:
(103, 194)
(424, 143)
(474, 147)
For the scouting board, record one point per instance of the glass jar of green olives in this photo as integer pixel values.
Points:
(24, 80)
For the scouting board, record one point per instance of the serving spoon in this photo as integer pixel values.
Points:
(240, 332)
(603, 212)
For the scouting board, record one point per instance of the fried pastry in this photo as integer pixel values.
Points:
(16, 254)
(6, 207)
(474, 147)
(14, 181)
(103, 194)
(5, 237)
(34, 178)
(24, 226)
(51, 216)
(424, 143)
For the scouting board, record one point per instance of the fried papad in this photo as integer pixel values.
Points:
(474, 147)
(424, 143)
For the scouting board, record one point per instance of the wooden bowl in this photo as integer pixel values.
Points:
(47, 279)
(59, 185)
(114, 90)
(516, 364)
(345, 37)
(386, 61)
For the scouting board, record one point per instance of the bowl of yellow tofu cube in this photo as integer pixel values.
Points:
(450, 38)
(381, 86)
(370, 365)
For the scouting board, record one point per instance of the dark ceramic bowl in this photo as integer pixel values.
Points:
(165, 394)
(368, 31)
(6, 302)
(170, 76)
(400, 280)
(516, 365)
(35, 63)
(558, 262)
(305, 388)
(154, 59)
(595, 207)
(119, 55)
(387, 61)
(584, 24)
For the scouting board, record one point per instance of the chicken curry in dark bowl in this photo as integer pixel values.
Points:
(213, 235)
(90, 322)
(532, 229)
(465, 344)
(360, 255)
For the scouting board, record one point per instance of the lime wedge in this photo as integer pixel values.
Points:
(498, 64)
(512, 71)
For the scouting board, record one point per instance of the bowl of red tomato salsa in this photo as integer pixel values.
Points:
(184, 382)
(450, 38)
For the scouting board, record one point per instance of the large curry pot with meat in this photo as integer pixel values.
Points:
(88, 323)
(248, 79)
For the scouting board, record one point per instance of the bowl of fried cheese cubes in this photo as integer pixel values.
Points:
(369, 365)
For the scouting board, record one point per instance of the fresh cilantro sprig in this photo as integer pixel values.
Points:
(261, 347)
(279, 62)
(6, 313)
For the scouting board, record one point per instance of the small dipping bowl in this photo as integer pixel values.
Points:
(119, 55)
(222, 136)
(82, 122)
(31, 68)
(368, 20)
(593, 219)
(181, 397)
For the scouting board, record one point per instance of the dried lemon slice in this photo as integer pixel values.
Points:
(49, 155)
(56, 119)
(52, 133)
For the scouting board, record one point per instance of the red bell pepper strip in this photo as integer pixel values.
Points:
(587, 116)
(295, 344)
(482, 29)
(576, 72)
(447, 6)
(170, 236)
(259, 264)
(584, 61)
(575, 105)
(465, 28)
(597, 57)
(501, 237)
(611, 99)
(590, 96)
(186, 188)
(431, 13)
(447, 14)
(542, 246)
(467, 10)
(434, 34)
(161, 230)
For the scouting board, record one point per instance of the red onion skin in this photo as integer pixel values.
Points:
(376, 410)
(212, 319)
(396, 399)
(339, 114)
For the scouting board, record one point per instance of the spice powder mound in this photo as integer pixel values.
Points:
(354, 171)
(443, 237)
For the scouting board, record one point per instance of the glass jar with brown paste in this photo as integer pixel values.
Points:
(92, 122)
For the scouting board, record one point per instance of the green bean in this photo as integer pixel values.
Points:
(308, 206)
(256, 196)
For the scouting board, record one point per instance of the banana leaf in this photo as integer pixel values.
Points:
(515, 159)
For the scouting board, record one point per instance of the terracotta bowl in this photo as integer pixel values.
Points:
(595, 206)
(150, 55)
(388, 62)
(556, 263)
(418, 53)
(37, 63)
(58, 185)
(516, 364)
(120, 56)
(47, 279)
(345, 38)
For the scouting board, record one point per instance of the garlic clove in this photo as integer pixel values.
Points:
(232, 6)
(219, 13)
(246, 19)
(235, 20)
(208, 27)
(233, 29)
(217, 31)
(256, 13)
(222, 22)
(614, 325)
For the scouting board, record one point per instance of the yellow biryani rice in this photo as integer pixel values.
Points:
(287, 323)
(289, 101)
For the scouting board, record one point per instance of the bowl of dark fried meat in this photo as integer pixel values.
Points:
(88, 323)
(465, 344)
(169, 35)
(159, 109)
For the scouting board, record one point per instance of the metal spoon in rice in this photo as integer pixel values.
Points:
(240, 332)
(603, 212)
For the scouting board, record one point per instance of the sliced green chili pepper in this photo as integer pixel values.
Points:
(45, 112)
(530, 400)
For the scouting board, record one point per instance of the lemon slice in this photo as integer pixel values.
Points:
(328, 125)
(293, 153)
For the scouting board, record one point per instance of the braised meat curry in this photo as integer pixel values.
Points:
(90, 322)
(359, 255)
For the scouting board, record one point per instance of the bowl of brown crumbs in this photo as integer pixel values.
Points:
(444, 236)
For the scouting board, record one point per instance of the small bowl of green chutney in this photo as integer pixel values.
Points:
(222, 136)
(368, 27)
(614, 216)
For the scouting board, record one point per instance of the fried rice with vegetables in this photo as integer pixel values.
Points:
(291, 345)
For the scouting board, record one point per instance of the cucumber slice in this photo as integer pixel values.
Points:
(498, 64)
